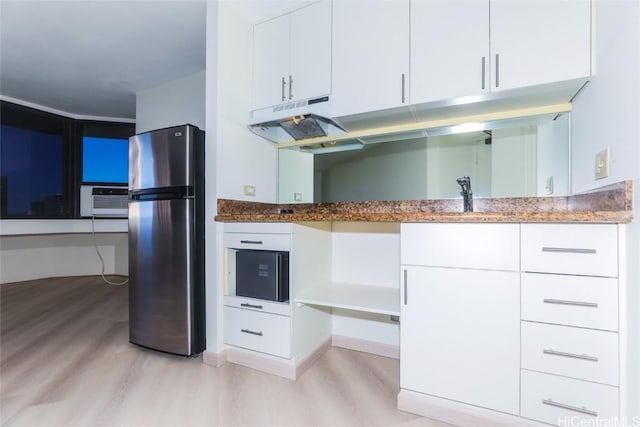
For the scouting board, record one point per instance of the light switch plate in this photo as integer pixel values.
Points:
(602, 164)
(249, 190)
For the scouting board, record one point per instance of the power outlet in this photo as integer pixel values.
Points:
(297, 197)
(602, 164)
(249, 190)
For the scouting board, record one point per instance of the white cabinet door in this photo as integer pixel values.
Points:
(534, 42)
(370, 56)
(449, 49)
(270, 62)
(460, 336)
(310, 58)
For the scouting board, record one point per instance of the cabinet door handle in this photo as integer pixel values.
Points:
(403, 85)
(569, 302)
(244, 304)
(284, 83)
(251, 242)
(290, 87)
(405, 287)
(582, 410)
(249, 331)
(483, 72)
(497, 70)
(569, 250)
(552, 352)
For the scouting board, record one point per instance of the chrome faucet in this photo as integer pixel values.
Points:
(467, 194)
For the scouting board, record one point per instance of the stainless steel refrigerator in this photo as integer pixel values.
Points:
(166, 240)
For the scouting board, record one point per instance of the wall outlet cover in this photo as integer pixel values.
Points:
(249, 190)
(602, 164)
(297, 197)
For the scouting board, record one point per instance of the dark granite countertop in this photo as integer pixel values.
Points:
(611, 204)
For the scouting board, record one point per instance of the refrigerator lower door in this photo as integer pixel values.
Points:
(162, 285)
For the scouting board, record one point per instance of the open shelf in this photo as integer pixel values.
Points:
(372, 299)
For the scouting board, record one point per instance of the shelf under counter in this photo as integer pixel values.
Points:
(368, 298)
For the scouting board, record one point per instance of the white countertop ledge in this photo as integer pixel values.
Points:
(18, 227)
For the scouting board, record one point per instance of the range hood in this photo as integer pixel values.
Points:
(299, 120)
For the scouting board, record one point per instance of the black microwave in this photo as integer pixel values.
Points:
(262, 275)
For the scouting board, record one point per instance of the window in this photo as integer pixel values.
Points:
(45, 157)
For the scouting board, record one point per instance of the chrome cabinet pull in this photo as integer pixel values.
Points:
(251, 242)
(403, 84)
(483, 71)
(497, 70)
(284, 98)
(569, 250)
(405, 287)
(582, 410)
(569, 302)
(290, 87)
(570, 355)
(244, 304)
(249, 331)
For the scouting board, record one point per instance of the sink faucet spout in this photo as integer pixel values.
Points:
(467, 194)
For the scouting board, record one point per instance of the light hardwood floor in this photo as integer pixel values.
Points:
(66, 360)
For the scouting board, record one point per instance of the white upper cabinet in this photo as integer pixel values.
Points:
(270, 61)
(464, 47)
(370, 66)
(310, 60)
(535, 42)
(292, 56)
(449, 49)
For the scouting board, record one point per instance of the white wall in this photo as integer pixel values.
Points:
(389, 171)
(55, 255)
(174, 103)
(607, 111)
(244, 158)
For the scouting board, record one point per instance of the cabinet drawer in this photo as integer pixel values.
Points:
(483, 246)
(584, 354)
(259, 305)
(270, 242)
(590, 302)
(587, 249)
(552, 399)
(263, 332)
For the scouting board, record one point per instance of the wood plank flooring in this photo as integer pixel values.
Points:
(66, 360)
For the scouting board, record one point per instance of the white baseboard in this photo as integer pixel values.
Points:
(456, 413)
(214, 359)
(262, 362)
(381, 349)
(308, 361)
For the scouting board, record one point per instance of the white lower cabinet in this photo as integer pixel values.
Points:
(565, 401)
(460, 336)
(264, 332)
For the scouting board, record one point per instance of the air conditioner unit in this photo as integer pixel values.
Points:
(104, 201)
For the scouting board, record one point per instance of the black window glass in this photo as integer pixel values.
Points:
(31, 165)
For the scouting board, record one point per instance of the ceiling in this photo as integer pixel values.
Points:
(90, 57)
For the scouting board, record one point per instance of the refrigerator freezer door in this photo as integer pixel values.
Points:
(161, 275)
(162, 158)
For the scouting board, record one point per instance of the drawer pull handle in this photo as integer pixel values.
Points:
(249, 331)
(251, 242)
(571, 355)
(244, 304)
(569, 250)
(568, 302)
(582, 410)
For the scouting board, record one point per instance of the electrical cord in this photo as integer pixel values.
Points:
(95, 245)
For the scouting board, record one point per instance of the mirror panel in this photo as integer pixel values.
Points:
(504, 161)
